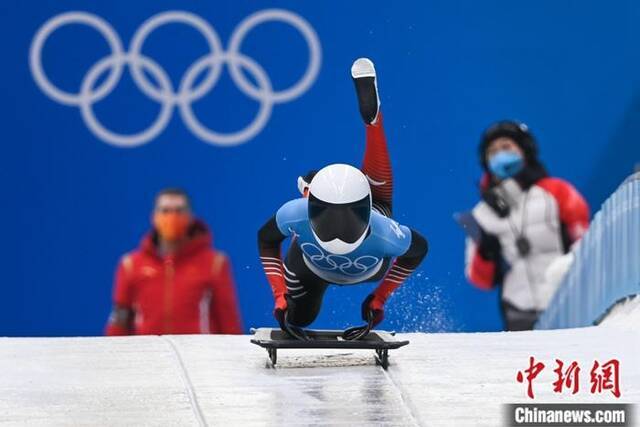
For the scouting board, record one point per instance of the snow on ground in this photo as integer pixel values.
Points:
(437, 380)
(625, 314)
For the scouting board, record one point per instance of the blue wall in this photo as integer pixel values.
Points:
(73, 203)
(606, 269)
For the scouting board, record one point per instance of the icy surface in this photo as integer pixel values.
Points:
(438, 379)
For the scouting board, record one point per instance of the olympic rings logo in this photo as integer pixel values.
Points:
(331, 262)
(164, 92)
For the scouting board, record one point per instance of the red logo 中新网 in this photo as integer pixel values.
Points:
(603, 377)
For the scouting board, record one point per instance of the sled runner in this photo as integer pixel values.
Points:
(380, 341)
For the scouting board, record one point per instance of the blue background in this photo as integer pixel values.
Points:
(73, 204)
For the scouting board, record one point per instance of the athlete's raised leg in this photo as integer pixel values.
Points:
(376, 163)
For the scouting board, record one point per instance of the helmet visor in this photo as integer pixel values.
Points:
(347, 222)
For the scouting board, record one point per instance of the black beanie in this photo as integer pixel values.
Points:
(518, 132)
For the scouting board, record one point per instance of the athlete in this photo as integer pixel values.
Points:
(341, 230)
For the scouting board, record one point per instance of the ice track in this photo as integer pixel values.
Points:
(439, 379)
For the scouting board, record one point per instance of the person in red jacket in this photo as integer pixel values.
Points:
(175, 283)
(525, 222)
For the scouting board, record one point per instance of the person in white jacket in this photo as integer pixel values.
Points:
(524, 221)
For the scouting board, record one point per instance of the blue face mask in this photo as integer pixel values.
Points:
(505, 164)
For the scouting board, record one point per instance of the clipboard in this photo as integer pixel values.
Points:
(469, 225)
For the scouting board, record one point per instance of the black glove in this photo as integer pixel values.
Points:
(372, 310)
(496, 202)
(294, 331)
(371, 315)
(279, 314)
(489, 246)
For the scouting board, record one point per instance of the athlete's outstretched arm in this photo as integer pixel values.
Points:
(402, 268)
(269, 241)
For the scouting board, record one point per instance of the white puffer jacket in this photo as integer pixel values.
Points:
(539, 215)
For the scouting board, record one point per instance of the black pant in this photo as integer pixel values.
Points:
(516, 319)
(305, 290)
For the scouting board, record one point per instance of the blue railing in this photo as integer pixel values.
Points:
(607, 264)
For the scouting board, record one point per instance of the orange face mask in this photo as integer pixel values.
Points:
(171, 226)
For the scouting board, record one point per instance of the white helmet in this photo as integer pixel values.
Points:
(339, 208)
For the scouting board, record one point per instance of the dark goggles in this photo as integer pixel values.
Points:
(346, 222)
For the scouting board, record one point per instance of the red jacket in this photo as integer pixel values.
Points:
(190, 292)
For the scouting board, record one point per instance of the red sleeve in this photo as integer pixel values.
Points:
(574, 210)
(122, 297)
(481, 272)
(269, 240)
(224, 313)
(392, 280)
